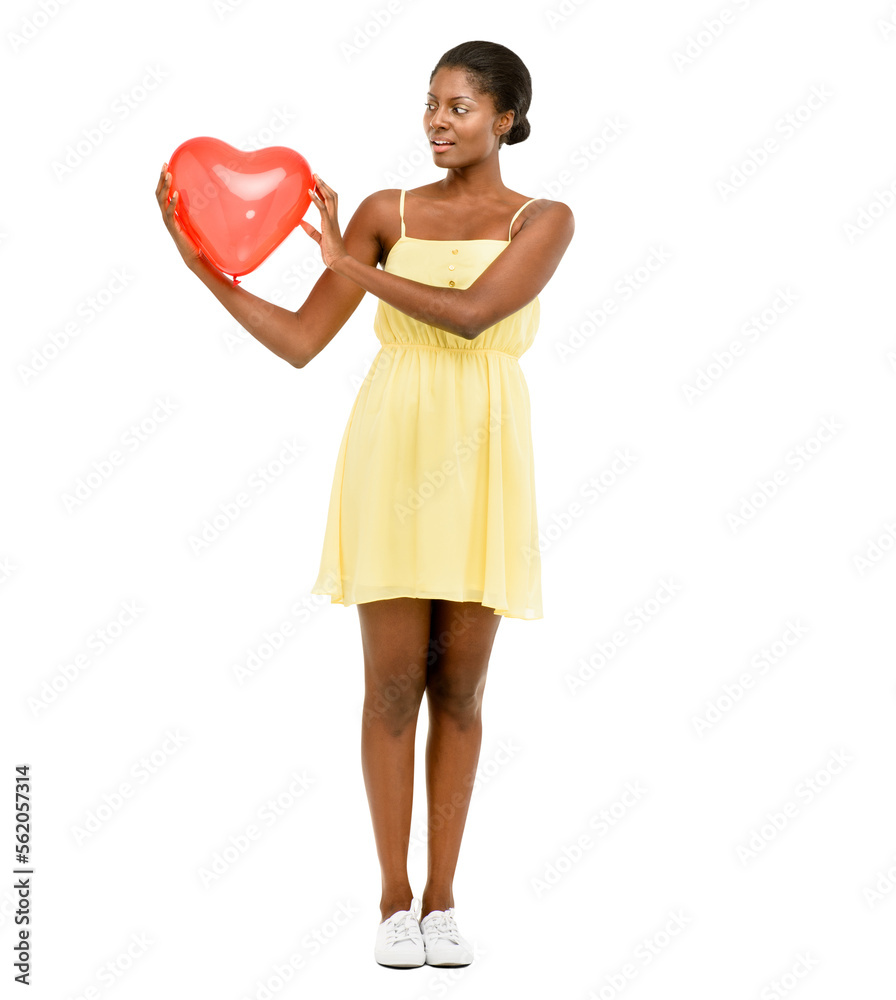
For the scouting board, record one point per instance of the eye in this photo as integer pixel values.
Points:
(456, 108)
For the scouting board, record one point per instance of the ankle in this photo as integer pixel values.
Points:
(435, 899)
(395, 901)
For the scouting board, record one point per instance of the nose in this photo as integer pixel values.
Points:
(435, 122)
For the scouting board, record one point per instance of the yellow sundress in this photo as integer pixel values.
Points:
(434, 489)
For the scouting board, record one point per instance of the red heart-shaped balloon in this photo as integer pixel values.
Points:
(238, 207)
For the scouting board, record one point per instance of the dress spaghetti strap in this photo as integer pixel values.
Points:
(401, 210)
(509, 231)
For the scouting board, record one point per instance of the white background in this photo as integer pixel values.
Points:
(809, 741)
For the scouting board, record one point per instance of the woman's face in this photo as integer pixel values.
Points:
(459, 114)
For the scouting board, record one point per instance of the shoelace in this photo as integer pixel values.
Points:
(404, 928)
(443, 925)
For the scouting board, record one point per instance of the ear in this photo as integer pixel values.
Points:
(505, 122)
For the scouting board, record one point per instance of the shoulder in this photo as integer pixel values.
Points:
(376, 215)
(379, 201)
(381, 207)
(389, 197)
(550, 216)
(545, 208)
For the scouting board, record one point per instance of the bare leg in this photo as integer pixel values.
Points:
(395, 639)
(462, 635)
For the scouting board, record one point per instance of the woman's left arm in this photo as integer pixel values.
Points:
(512, 280)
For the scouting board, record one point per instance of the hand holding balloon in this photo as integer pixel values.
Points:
(185, 246)
(329, 238)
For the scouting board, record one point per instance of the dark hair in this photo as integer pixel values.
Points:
(494, 70)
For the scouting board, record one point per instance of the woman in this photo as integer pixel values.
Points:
(432, 527)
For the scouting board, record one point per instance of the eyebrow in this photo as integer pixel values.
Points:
(460, 97)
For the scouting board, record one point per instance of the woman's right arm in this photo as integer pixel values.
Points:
(298, 336)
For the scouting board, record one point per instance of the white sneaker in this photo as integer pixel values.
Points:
(442, 940)
(399, 943)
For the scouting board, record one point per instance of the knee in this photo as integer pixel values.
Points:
(455, 700)
(392, 704)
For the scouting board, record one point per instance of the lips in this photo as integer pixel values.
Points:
(440, 142)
